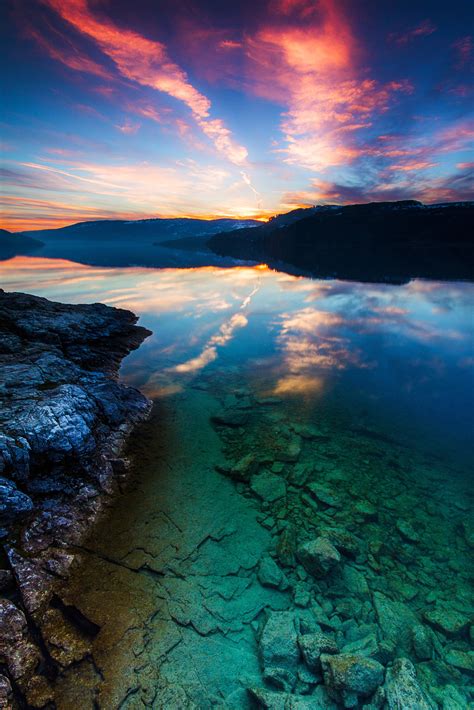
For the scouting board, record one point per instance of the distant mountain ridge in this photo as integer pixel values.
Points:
(16, 243)
(388, 240)
(154, 230)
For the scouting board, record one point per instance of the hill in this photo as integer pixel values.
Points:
(374, 241)
(13, 244)
(153, 231)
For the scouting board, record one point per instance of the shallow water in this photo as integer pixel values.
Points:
(356, 402)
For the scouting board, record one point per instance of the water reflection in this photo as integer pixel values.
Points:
(401, 355)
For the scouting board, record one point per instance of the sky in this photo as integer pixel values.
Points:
(121, 110)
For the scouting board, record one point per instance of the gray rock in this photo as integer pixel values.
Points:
(318, 556)
(270, 575)
(451, 622)
(403, 690)
(268, 486)
(13, 503)
(396, 621)
(313, 645)
(242, 470)
(352, 674)
(407, 531)
(462, 660)
(278, 647)
(323, 495)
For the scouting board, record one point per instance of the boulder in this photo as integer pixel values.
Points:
(449, 621)
(318, 556)
(352, 675)
(462, 660)
(313, 645)
(14, 504)
(402, 689)
(268, 486)
(270, 575)
(278, 646)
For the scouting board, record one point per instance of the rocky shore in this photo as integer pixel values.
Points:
(64, 419)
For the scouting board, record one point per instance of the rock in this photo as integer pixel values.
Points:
(270, 575)
(16, 648)
(422, 642)
(268, 486)
(407, 531)
(231, 417)
(313, 645)
(344, 541)
(35, 585)
(355, 581)
(242, 470)
(462, 660)
(403, 690)
(64, 418)
(6, 694)
(323, 495)
(352, 675)
(318, 557)
(301, 595)
(366, 510)
(308, 431)
(288, 451)
(14, 504)
(286, 547)
(449, 621)
(268, 699)
(396, 621)
(277, 646)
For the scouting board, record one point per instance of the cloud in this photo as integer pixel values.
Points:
(424, 29)
(146, 62)
(128, 127)
(312, 68)
(463, 49)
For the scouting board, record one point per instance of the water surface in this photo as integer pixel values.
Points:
(382, 377)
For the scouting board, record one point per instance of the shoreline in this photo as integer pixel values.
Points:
(64, 425)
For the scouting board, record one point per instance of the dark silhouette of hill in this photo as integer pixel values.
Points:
(143, 230)
(389, 241)
(13, 244)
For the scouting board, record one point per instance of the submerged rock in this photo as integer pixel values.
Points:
(270, 575)
(313, 645)
(403, 690)
(449, 621)
(318, 556)
(268, 486)
(462, 660)
(351, 676)
(278, 648)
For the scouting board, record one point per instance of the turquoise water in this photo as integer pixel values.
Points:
(355, 400)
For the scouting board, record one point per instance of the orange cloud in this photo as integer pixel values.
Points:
(312, 68)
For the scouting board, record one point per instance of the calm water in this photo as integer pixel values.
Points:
(383, 374)
(397, 358)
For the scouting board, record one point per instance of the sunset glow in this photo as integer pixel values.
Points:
(196, 110)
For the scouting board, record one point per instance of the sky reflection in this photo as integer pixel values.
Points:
(404, 352)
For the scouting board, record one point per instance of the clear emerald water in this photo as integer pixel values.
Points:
(384, 372)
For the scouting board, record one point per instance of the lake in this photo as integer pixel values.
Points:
(285, 408)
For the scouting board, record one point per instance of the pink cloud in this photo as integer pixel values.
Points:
(146, 62)
(128, 127)
(424, 29)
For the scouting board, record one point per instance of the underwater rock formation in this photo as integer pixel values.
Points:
(64, 419)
